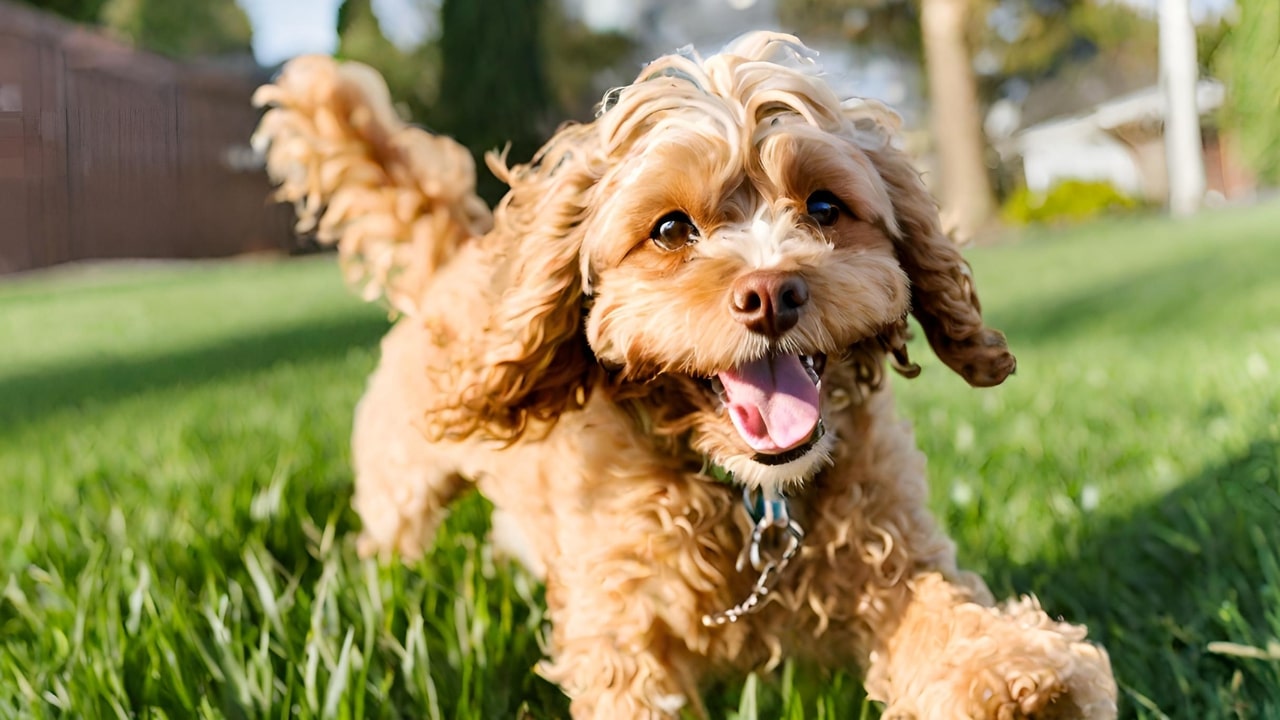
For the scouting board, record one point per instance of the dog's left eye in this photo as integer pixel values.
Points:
(674, 231)
(824, 208)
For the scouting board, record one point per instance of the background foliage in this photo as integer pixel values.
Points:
(1250, 64)
(177, 28)
(412, 75)
(1071, 201)
(181, 28)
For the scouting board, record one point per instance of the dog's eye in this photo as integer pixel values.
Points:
(673, 231)
(824, 208)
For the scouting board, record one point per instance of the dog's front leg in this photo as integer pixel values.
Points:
(642, 555)
(946, 655)
(933, 643)
(613, 652)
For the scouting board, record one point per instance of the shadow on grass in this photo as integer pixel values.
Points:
(30, 397)
(1171, 297)
(1157, 586)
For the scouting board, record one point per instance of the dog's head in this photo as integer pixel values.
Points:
(729, 221)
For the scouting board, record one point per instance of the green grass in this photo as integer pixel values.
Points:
(176, 531)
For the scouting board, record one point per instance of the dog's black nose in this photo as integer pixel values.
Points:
(768, 302)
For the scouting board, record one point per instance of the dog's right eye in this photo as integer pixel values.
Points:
(674, 231)
(824, 208)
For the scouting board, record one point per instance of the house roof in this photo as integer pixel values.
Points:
(1081, 86)
(1138, 108)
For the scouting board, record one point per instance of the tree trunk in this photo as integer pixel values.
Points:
(957, 125)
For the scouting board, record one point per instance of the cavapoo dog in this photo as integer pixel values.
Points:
(662, 357)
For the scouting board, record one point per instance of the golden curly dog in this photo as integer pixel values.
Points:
(694, 294)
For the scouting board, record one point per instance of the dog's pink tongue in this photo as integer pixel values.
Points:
(772, 402)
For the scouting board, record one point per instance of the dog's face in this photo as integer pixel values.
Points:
(746, 256)
(729, 222)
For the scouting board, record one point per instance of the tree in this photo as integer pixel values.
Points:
(1035, 39)
(81, 11)
(957, 116)
(879, 23)
(582, 63)
(1249, 63)
(413, 76)
(499, 71)
(180, 28)
(493, 79)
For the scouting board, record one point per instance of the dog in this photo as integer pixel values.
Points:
(663, 358)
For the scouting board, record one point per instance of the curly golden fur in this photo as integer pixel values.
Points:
(654, 298)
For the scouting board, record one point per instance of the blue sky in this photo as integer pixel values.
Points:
(284, 28)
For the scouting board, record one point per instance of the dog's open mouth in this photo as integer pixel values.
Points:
(775, 404)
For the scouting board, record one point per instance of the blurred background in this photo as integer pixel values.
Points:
(178, 370)
(123, 123)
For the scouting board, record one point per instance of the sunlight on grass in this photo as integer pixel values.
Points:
(176, 540)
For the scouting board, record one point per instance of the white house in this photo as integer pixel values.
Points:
(1118, 141)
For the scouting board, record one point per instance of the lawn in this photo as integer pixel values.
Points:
(176, 532)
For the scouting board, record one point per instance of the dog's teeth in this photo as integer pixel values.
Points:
(809, 368)
(718, 387)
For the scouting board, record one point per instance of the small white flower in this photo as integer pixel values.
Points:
(1257, 366)
(1089, 498)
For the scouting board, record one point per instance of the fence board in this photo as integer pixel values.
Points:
(106, 152)
(13, 162)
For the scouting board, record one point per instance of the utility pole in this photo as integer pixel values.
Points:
(1178, 78)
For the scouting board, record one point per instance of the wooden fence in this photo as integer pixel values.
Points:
(106, 152)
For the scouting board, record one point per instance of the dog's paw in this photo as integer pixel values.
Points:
(1009, 663)
(1049, 678)
(1041, 693)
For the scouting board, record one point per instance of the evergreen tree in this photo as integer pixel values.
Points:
(493, 86)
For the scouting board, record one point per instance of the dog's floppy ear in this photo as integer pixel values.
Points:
(532, 362)
(943, 299)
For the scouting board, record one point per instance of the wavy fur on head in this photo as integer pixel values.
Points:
(711, 276)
